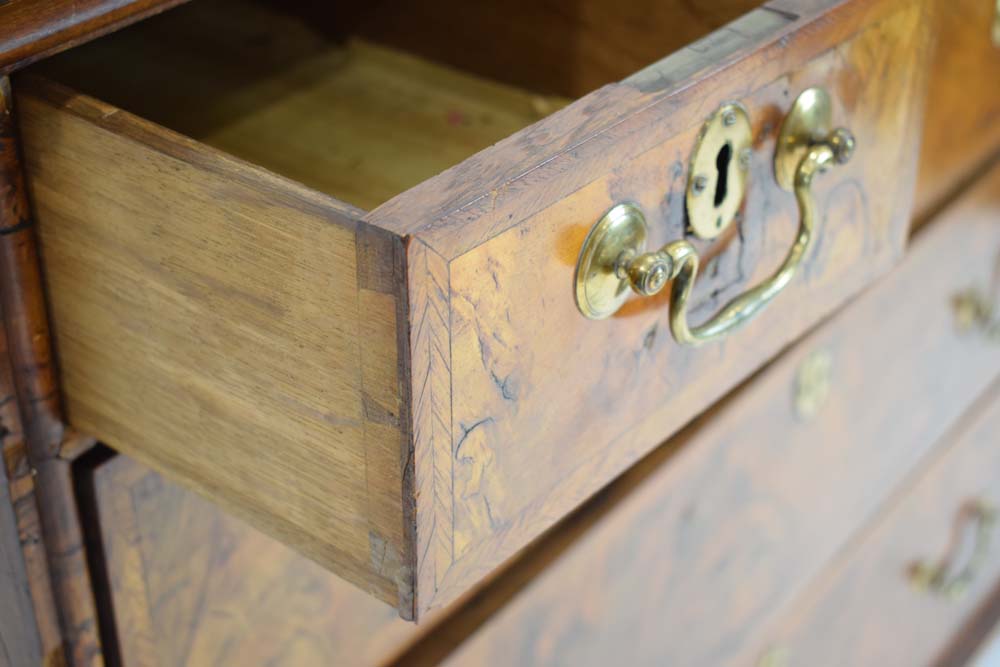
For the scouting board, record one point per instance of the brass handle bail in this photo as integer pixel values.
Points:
(806, 147)
(952, 579)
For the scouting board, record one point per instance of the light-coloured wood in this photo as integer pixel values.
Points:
(209, 319)
(355, 120)
(864, 606)
(193, 586)
(403, 382)
(691, 553)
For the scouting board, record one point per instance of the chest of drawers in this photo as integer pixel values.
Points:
(333, 282)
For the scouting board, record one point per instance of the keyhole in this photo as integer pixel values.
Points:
(722, 165)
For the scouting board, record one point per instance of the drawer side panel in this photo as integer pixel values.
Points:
(227, 327)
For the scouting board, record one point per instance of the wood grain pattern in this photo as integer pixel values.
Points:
(467, 305)
(527, 371)
(193, 586)
(359, 122)
(432, 442)
(864, 603)
(214, 313)
(716, 534)
(33, 29)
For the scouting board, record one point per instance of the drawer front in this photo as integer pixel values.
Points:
(522, 407)
(191, 585)
(418, 380)
(730, 522)
(923, 567)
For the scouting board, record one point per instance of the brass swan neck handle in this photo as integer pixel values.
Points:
(952, 579)
(678, 260)
(805, 149)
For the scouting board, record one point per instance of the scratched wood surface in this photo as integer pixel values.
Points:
(195, 294)
(478, 340)
(191, 585)
(716, 535)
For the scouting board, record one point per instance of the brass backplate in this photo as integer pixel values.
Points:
(719, 170)
(807, 123)
(601, 287)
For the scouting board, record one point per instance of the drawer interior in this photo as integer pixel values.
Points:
(336, 98)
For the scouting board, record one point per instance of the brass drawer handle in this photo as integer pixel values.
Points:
(975, 312)
(610, 260)
(950, 579)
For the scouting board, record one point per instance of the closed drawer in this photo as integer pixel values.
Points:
(919, 570)
(721, 531)
(190, 585)
(410, 395)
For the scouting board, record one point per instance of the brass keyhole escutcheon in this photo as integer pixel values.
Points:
(614, 258)
(812, 383)
(719, 171)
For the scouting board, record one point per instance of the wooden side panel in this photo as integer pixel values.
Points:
(193, 586)
(211, 319)
(719, 532)
(546, 406)
(864, 604)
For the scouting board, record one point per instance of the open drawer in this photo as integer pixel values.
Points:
(410, 395)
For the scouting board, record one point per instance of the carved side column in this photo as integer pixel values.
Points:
(30, 355)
